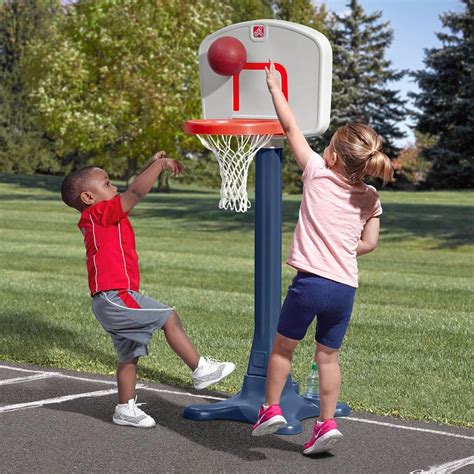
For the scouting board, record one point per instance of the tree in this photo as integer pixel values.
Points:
(116, 80)
(304, 12)
(446, 102)
(247, 10)
(362, 73)
(24, 145)
(411, 168)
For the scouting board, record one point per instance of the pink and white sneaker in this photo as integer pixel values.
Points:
(269, 420)
(325, 436)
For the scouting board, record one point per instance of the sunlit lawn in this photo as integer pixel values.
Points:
(408, 351)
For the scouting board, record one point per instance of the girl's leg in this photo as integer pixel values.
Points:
(126, 380)
(179, 341)
(278, 368)
(327, 361)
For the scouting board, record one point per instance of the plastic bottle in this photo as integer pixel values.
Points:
(312, 382)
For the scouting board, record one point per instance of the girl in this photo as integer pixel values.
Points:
(338, 221)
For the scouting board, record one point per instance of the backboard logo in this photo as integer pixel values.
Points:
(258, 31)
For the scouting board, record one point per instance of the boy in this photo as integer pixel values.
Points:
(112, 264)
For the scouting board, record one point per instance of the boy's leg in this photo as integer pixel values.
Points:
(127, 412)
(180, 342)
(327, 361)
(279, 367)
(126, 380)
(206, 372)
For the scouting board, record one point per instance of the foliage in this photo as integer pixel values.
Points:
(362, 75)
(446, 102)
(24, 145)
(304, 12)
(117, 79)
(247, 10)
(411, 168)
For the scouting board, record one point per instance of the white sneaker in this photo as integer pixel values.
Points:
(210, 371)
(128, 414)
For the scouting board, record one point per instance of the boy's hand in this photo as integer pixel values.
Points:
(144, 181)
(272, 82)
(172, 165)
(157, 156)
(160, 155)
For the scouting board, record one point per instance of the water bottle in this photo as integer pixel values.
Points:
(312, 382)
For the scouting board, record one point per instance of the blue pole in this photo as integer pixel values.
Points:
(267, 286)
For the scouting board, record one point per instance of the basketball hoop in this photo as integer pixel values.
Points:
(234, 142)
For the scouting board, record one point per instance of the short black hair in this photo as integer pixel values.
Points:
(73, 185)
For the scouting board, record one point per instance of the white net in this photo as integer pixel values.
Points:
(234, 154)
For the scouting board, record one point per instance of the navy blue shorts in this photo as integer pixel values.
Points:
(309, 296)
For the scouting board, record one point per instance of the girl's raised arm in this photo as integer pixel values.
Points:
(297, 141)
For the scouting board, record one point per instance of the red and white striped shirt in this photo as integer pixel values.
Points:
(112, 260)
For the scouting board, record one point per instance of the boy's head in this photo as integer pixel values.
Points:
(86, 187)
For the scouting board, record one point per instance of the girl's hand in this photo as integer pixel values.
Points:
(272, 82)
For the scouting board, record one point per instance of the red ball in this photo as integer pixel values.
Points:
(227, 56)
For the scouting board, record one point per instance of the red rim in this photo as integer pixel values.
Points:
(233, 127)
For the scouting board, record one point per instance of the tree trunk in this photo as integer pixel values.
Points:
(131, 170)
(163, 183)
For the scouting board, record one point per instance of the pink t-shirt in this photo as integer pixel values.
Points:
(332, 216)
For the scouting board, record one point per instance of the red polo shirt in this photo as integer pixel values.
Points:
(112, 260)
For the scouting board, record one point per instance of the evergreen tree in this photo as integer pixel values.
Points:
(446, 102)
(24, 145)
(361, 75)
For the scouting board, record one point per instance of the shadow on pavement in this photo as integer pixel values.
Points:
(218, 435)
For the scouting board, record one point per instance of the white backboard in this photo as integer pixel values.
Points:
(303, 59)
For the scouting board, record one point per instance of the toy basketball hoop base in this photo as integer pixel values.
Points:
(234, 143)
(267, 289)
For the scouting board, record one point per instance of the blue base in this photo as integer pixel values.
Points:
(244, 406)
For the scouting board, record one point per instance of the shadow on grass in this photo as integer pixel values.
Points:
(46, 182)
(28, 329)
(452, 225)
(27, 332)
(53, 184)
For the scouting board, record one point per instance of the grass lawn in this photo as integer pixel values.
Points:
(408, 351)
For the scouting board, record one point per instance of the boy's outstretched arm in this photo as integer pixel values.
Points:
(297, 141)
(144, 181)
(369, 237)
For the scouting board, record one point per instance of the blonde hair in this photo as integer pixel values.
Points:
(359, 148)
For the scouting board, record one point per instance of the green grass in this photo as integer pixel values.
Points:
(408, 351)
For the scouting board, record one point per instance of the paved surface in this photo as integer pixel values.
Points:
(60, 433)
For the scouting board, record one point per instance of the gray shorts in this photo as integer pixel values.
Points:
(131, 319)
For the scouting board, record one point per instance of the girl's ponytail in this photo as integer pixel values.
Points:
(379, 166)
(358, 147)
